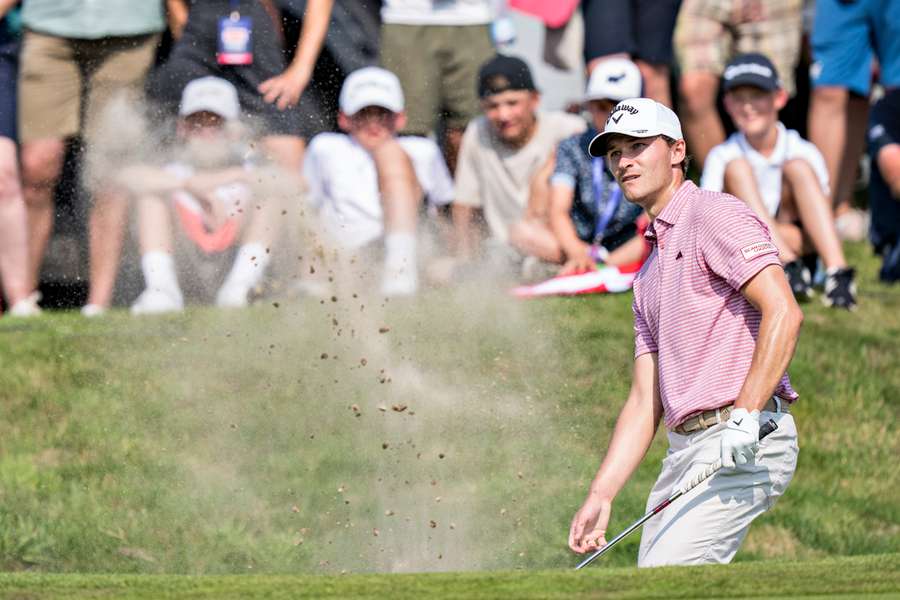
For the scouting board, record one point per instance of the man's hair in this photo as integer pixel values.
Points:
(686, 162)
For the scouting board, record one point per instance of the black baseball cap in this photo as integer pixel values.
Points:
(750, 69)
(503, 73)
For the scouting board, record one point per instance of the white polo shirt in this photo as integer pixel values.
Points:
(767, 170)
(343, 184)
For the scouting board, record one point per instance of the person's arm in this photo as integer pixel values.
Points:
(577, 252)
(631, 439)
(285, 89)
(5, 6)
(177, 16)
(465, 234)
(539, 190)
(741, 182)
(628, 253)
(889, 167)
(770, 293)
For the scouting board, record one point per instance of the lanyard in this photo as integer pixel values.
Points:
(605, 210)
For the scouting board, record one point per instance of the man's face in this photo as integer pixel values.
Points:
(600, 110)
(371, 125)
(643, 166)
(754, 110)
(511, 114)
(203, 125)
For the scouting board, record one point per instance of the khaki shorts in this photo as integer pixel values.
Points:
(442, 78)
(709, 33)
(709, 523)
(57, 74)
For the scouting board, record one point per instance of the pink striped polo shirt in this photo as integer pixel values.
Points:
(688, 307)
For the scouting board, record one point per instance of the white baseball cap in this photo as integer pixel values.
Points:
(614, 79)
(211, 94)
(371, 86)
(638, 118)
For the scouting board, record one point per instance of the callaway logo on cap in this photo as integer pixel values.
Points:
(637, 117)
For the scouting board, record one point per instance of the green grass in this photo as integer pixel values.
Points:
(832, 578)
(215, 443)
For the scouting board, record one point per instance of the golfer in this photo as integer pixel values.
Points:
(715, 327)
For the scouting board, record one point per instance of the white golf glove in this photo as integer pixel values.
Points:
(740, 439)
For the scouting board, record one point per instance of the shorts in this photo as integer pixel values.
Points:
(709, 523)
(844, 36)
(56, 74)
(711, 32)
(441, 81)
(200, 273)
(641, 28)
(9, 70)
(194, 56)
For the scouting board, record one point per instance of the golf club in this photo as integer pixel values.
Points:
(765, 430)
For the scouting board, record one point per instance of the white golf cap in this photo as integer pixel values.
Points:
(371, 86)
(210, 94)
(614, 79)
(638, 118)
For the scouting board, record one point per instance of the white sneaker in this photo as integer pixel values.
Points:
(402, 282)
(27, 307)
(92, 310)
(155, 302)
(232, 296)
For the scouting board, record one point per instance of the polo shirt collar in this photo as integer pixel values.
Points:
(669, 214)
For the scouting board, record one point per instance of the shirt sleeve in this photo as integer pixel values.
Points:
(565, 173)
(312, 172)
(643, 339)
(441, 189)
(734, 242)
(713, 177)
(468, 189)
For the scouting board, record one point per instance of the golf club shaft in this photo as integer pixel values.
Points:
(765, 430)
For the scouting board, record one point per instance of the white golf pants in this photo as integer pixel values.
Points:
(708, 524)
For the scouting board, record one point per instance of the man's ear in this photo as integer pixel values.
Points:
(781, 98)
(343, 121)
(678, 151)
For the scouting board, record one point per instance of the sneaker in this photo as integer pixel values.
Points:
(852, 225)
(26, 307)
(155, 302)
(92, 310)
(399, 282)
(799, 279)
(840, 291)
(232, 296)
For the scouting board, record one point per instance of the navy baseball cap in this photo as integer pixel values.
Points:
(503, 73)
(750, 69)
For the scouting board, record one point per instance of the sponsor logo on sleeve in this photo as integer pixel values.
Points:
(758, 249)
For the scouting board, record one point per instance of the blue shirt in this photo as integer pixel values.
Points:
(574, 170)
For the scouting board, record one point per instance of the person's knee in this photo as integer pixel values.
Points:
(698, 92)
(42, 163)
(796, 168)
(738, 173)
(829, 96)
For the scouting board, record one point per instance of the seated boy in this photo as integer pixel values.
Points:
(590, 220)
(781, 176)
(368, 184)
(196, 215)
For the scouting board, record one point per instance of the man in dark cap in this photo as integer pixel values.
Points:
(506, 159)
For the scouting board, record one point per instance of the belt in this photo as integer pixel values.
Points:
(709, 418)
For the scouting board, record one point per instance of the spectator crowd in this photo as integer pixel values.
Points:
(402, 137)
